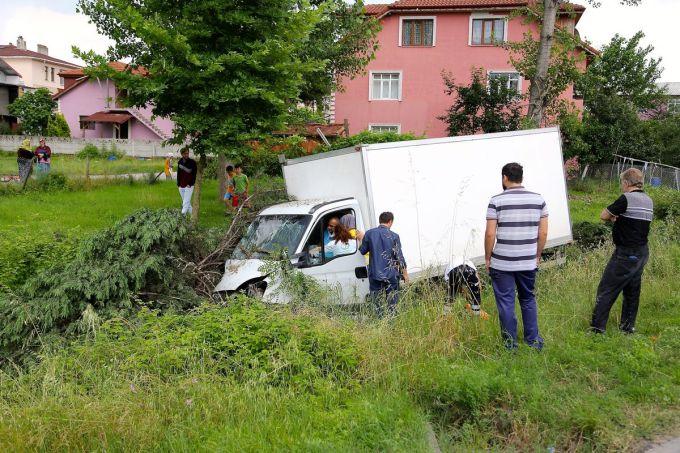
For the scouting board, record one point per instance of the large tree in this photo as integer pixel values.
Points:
(482, 106)
(539, 88)
(34, 109)
(225, 71)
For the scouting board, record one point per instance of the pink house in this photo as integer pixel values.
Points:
(92, 110)
(403, 89)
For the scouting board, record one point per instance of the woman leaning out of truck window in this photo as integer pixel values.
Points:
(343, 244)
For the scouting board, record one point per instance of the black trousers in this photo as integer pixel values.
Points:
(622, 274)
(465, 277)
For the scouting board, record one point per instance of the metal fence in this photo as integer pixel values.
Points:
(656, 175)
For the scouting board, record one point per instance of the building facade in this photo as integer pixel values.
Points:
(403, 89)
(11, 86)
(37, 68)
(92, 109)
(672, 89)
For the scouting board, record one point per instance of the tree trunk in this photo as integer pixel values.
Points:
(537, 90)
(221, 177)
(196, 200)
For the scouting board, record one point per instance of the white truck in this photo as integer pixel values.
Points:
(438, 190)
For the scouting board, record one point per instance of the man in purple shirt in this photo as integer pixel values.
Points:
(386, 263)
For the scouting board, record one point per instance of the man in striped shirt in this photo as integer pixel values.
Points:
(516, 231)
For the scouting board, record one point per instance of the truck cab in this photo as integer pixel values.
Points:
(299, 227)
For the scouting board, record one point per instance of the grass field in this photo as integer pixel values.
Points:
(70, 166)
(256, 379)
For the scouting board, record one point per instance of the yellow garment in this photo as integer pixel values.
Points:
(167, 166)
(26, 143)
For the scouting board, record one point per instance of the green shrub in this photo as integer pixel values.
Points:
(111, 151)
(22, 260)
(89, 150)
(51, 181)
(590, 235)
(666, 203)
(114, 272)
(57, 126)
(367, 137)
(245, 341)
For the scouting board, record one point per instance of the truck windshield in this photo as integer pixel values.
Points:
(270, 233)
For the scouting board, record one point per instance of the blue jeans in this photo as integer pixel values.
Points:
(504, 284)
(384, 291)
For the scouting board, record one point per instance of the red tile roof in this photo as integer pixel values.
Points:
(380, 9)
(107, 117)
(10, 50)
(117, 65)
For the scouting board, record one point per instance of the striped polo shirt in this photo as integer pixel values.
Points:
(518, 213)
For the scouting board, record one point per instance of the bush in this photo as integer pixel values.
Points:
(367, 137)
(58, 127)
(666, 203)
(50, 182)
(90, 151)
(111, 151)
(22, 260)
(590, 235)
(113, 273)
(245, 341)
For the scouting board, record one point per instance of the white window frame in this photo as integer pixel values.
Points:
(385, 71)
(674, 105)
(505, 71)
(434, 28)
(372, 125)
(474, 16)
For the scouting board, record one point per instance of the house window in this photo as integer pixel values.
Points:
(47, 72)
(674, 105)
(512, 80)
(52, 74)
(384, 128)
(417, 32)
(85, 125)
(385, 86)
(61, 81)
(487, 32)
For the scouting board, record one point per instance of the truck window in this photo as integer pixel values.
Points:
(322, 247)
(270, 233)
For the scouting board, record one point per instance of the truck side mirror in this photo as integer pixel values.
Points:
(301, 260)
(361, 272)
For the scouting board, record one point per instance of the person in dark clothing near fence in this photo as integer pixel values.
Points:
(632, 215)
(516, 232)
(386, 263)
(25, 161)
(186, 178)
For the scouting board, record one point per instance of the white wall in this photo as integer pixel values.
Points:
(137, 148)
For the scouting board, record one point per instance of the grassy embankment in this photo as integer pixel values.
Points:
(249, 379)
(73, 167)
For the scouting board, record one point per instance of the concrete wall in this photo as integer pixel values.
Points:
(136, 148)
(423, 97)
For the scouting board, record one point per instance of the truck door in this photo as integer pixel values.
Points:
(337, 265)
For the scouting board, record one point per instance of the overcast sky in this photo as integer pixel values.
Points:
(56, 24)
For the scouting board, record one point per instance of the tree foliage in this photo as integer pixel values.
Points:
(57, 126)
(482, 106)
(34, 109)
(108, 276)
(343, 38)
(625, 69)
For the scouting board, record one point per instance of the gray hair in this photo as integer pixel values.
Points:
(633, 177)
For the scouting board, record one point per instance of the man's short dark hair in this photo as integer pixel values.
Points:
(230, 168)
(238, 166)
(513, 171)
(385, 218)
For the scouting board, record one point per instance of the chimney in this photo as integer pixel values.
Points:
(21, 43)
(42, 48)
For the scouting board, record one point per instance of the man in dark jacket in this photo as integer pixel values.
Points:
(386, 262)
(186, 178)
(632, 215)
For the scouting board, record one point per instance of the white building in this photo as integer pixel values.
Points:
(37, 68)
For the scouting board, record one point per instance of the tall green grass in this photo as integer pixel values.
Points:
(73, 167)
